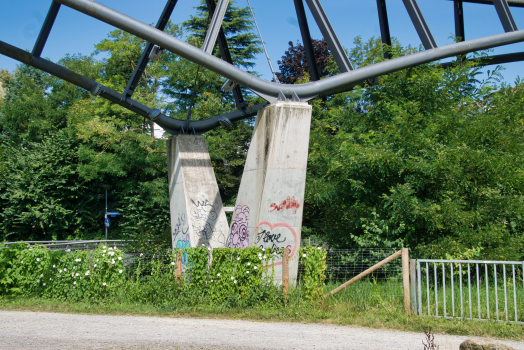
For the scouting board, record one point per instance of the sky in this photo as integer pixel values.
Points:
(74, 32)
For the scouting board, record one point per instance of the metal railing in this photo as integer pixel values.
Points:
(472, 285)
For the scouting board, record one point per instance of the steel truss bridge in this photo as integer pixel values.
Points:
(271, 91)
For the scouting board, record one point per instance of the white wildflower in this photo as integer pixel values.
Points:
(50, 279)
(264, 256)
(119, 271)
(255, 267)
(96, 260)
(238, 258)
(41, 275)
(74, 267)
(95, 265)
(59, 271)
(77, 274)
(172, 263)
(319, 248)
(37, 281)
(104, 284)
(74, 282)
(304, 255)
(113, 261)
(232, 277)
(119, 258)
(103, 255)
(54, 266)
(235, 281)
(248, 264)
(259, 254)
(44, 284)
(87, 273)
(65, 269)
(247, 271)
(211, 281)
(37, 259)
(21, 262)
(218, 274)
(110, 248)
(103, 251)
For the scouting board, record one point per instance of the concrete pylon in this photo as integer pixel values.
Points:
(268, 210)
(197, 214)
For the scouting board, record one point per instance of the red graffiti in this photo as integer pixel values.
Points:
(288, 203)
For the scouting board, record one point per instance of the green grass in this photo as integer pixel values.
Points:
(363, 304)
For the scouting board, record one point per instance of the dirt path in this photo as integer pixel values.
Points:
(35, 330)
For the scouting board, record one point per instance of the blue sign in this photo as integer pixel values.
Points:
(107, 222)
(112, 213)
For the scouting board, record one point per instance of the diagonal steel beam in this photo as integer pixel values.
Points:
(384, 25)
(512, 3)
(420, 24)
(505, 15)
(338, 52)
(144, 59)
(46, 29)
(226, 56)
(459, 20)
(306, 39)
(215, 26)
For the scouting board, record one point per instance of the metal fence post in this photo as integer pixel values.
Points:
(412, 280)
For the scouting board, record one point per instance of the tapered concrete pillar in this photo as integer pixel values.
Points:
(197, 214)
(268, 211)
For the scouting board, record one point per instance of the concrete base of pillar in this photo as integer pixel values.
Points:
(197, 214)
(268, 211)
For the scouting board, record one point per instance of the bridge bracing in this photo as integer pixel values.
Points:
(268, 211)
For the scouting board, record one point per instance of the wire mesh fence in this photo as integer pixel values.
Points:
(341, 266)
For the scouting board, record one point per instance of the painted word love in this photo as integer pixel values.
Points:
(288, 203)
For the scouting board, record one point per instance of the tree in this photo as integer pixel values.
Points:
(293, 64)
(425, 154)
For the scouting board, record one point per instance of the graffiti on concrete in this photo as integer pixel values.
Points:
(288, 203)
(278, 236)
(204, 217)
(239, 236)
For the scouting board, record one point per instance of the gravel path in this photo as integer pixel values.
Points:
(35, 330)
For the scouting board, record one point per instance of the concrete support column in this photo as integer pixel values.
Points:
(197, 214)
(268, 211)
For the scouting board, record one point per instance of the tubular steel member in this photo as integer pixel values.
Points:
(336, 84)
(171, 125)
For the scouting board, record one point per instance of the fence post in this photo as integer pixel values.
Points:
(285, 270)
(413, 281)
(405, 279)
(179, 265)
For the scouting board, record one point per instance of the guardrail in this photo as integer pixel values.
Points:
(484, 303)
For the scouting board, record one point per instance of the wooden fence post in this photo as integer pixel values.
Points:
(285, 270)
(179, 264)
(413, 281)
(405, 280)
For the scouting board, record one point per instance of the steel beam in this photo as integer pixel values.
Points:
(144, 59)
(495, 59)
(505, 15)
(226, 56)
(384, 25)
(420, 24)
(459, 20)
(306, 39)
(46, 29)
(338, 52)
(511, 3)
(171, 125)
(215, 26)
(331, 85)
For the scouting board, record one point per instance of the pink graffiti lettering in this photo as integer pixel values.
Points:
(288, 203)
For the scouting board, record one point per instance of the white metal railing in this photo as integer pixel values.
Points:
(70, 245)
(443, 301)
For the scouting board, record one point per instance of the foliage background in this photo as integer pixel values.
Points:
(428, 158)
